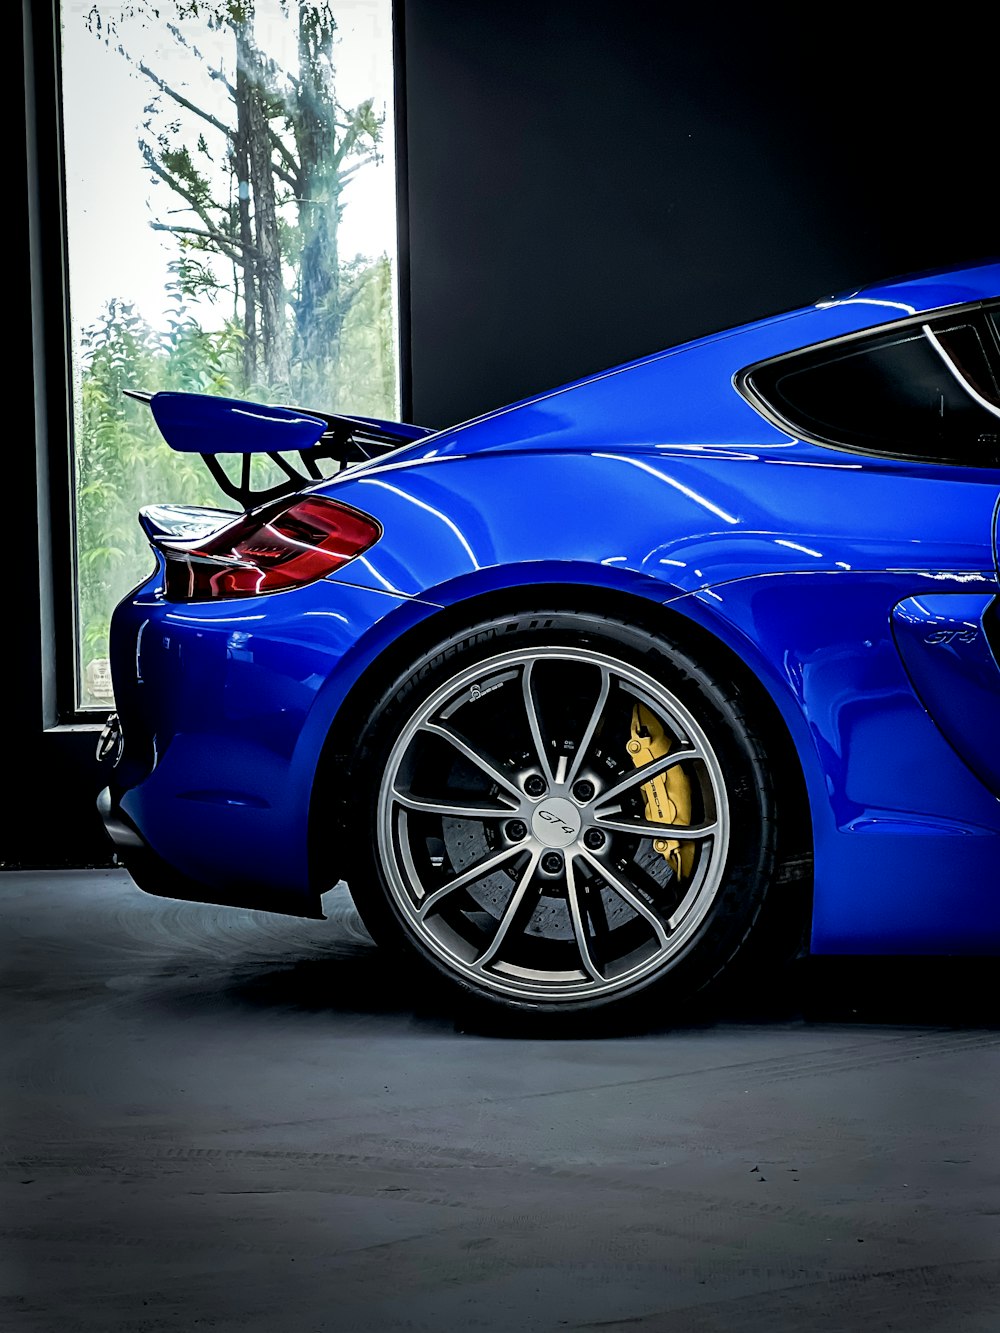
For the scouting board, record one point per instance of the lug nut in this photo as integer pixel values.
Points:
(584, 790)
(594, 838)
(552, 863)
(534, 785)
(516, 829)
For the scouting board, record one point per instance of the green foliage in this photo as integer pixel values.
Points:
(122, 460)
(335, 318)
(364, 379)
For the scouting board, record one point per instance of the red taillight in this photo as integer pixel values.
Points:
(282, 546)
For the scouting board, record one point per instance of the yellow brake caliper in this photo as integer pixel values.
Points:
(668, 795)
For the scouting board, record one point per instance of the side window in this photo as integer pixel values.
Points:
(922, 392)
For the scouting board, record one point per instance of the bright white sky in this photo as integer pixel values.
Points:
(110, 195)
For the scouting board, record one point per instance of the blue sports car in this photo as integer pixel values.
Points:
(596, 697)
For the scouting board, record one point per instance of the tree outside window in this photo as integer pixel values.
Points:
(231, 230)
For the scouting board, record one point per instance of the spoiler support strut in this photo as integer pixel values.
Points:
(208, 426)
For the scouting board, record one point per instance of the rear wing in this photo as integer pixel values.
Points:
(200, 423)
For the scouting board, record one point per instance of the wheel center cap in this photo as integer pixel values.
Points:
(556, 822)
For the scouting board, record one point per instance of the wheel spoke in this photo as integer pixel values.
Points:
(618, 886)
(646, 774)
(481, 762)
(579, 925)
(456, 809)
(510, 912)
(471, 800)
(592, 722)
(649, 828)
(534, 723)
(469, 876)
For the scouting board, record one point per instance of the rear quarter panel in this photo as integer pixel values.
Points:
(796, 565)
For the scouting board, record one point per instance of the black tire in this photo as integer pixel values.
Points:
(455, 846)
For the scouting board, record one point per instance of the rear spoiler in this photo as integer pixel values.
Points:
(200, 423)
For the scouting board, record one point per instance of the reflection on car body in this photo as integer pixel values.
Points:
(596, 695)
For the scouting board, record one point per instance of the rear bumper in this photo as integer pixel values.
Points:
(223, 712)
(154, 876)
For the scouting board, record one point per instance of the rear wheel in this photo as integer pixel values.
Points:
(560, 812)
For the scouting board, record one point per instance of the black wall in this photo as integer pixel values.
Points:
(583, 184)
(591, 182)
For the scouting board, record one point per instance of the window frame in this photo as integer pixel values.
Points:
(51, 340)
(983, 315)
(52, 366)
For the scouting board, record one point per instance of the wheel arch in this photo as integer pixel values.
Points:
(333, 772)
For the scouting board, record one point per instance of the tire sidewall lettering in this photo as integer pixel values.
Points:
(719, 712)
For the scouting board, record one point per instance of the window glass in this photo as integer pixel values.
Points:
(231, 229)
(907, 394)
(964, 354)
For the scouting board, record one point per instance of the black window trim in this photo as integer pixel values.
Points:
(928, 320)
(52, 363)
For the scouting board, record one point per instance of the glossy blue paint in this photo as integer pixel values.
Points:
(685, 395)
(945, 645)
(685, 519)
(827, 573)
(216, 699)
(403, 430)
(882, 779)
(195, 423)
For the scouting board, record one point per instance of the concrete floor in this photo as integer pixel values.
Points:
(226, 1120)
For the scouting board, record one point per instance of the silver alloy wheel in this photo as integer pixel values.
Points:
(514, 835)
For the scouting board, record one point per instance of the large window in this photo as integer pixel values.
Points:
(231, 229)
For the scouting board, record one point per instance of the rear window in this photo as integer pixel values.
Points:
(926, 391)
